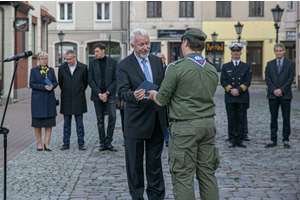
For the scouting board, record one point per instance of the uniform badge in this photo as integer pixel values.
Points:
(198, 59)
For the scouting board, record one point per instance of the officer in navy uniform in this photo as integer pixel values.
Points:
(236, 78)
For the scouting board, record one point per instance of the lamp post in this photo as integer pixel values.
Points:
(109, 46)
(277, 14)
(238, 29)
(61, 36)
(214, 38)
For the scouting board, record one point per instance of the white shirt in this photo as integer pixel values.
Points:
(238, 62)
(142, 66)
(72, 68)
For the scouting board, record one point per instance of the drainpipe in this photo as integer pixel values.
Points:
(2, 52)
(121, 27)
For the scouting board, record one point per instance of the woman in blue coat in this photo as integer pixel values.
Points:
(43, 102)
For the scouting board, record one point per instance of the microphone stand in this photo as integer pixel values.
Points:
(5, 131)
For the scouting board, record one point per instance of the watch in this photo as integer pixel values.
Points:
(106, 93)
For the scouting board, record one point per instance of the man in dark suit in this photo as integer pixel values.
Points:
(236, 78)
(102, 80)
(72, 80)
(145, 122)
(279, 76)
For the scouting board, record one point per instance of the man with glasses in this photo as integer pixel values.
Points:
(102, 80)
(73, 81)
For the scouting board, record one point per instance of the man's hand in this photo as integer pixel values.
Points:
(234, 92)
(277, 92)
(139, 94)
(152, 93)
(49, 88)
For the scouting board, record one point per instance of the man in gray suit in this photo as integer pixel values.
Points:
(102, 80)
(279, 76)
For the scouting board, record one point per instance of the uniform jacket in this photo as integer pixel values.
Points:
(282, 81)
(139, 116)
(43, 104)
(73, 100)
(236, 77)
(94, 79)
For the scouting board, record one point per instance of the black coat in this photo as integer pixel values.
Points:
(236, 77)
(94, 79)
(282, 81)
(43, 104)
(73, 100)
(139, 116)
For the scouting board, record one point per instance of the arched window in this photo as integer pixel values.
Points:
(64, 47)
(115, 50)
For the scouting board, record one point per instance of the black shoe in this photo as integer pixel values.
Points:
(246, 138)
(39, 149)
(102, 148)
(46, 148)
(82, 147)
(227, 139)
(286, 144)
(231, 145)
(167, 144)
(241, 145)
(65, 147)
(110, 148)
(273, 144)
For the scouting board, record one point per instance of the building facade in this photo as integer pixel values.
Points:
(23, 27)
(85, 23)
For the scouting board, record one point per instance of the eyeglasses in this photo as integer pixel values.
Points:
(69, 58)
(43, 58)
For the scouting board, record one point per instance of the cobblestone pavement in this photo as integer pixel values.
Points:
(252, 173)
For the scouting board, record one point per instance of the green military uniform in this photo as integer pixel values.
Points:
(189, 87)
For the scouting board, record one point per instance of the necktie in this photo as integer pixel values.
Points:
(146, 71)
(236, 64)
(279, 66)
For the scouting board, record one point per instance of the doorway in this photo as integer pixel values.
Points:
(174, 51)
(254, 58)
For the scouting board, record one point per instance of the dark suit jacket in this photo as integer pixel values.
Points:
(73, 100)
(139, 115)
(282, 81)
(95, 78)
(43, 104)
(236, 77)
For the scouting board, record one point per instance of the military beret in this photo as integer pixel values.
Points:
(195, 33)
(235, 46)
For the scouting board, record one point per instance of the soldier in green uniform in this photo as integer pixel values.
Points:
(189, 87)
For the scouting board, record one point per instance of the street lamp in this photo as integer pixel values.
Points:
(238, 29)
(61, 36)
(214, 38)
(277, 14)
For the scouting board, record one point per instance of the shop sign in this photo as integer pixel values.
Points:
(218, 46)
(21, 24)
(291, 35)
(170, 34)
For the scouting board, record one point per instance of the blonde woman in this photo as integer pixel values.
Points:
(43, 103)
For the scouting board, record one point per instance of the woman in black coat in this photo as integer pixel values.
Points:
(43, 102)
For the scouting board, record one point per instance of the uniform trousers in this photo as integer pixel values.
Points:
(192, 150)
(235, 117)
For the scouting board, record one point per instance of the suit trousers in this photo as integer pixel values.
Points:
(110, 107)
(235, 117)
(134, 153)
(79, 129)
(285, 110)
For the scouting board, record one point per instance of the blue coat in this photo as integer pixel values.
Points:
(43, 103)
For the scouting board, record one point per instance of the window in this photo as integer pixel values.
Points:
(60, 52)
(223, 8)
(153, 8)
(66, 11)
(186, 9)
(290, 5)
(256, 9)
(103, 11)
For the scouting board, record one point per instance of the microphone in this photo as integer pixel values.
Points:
(17, 57)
